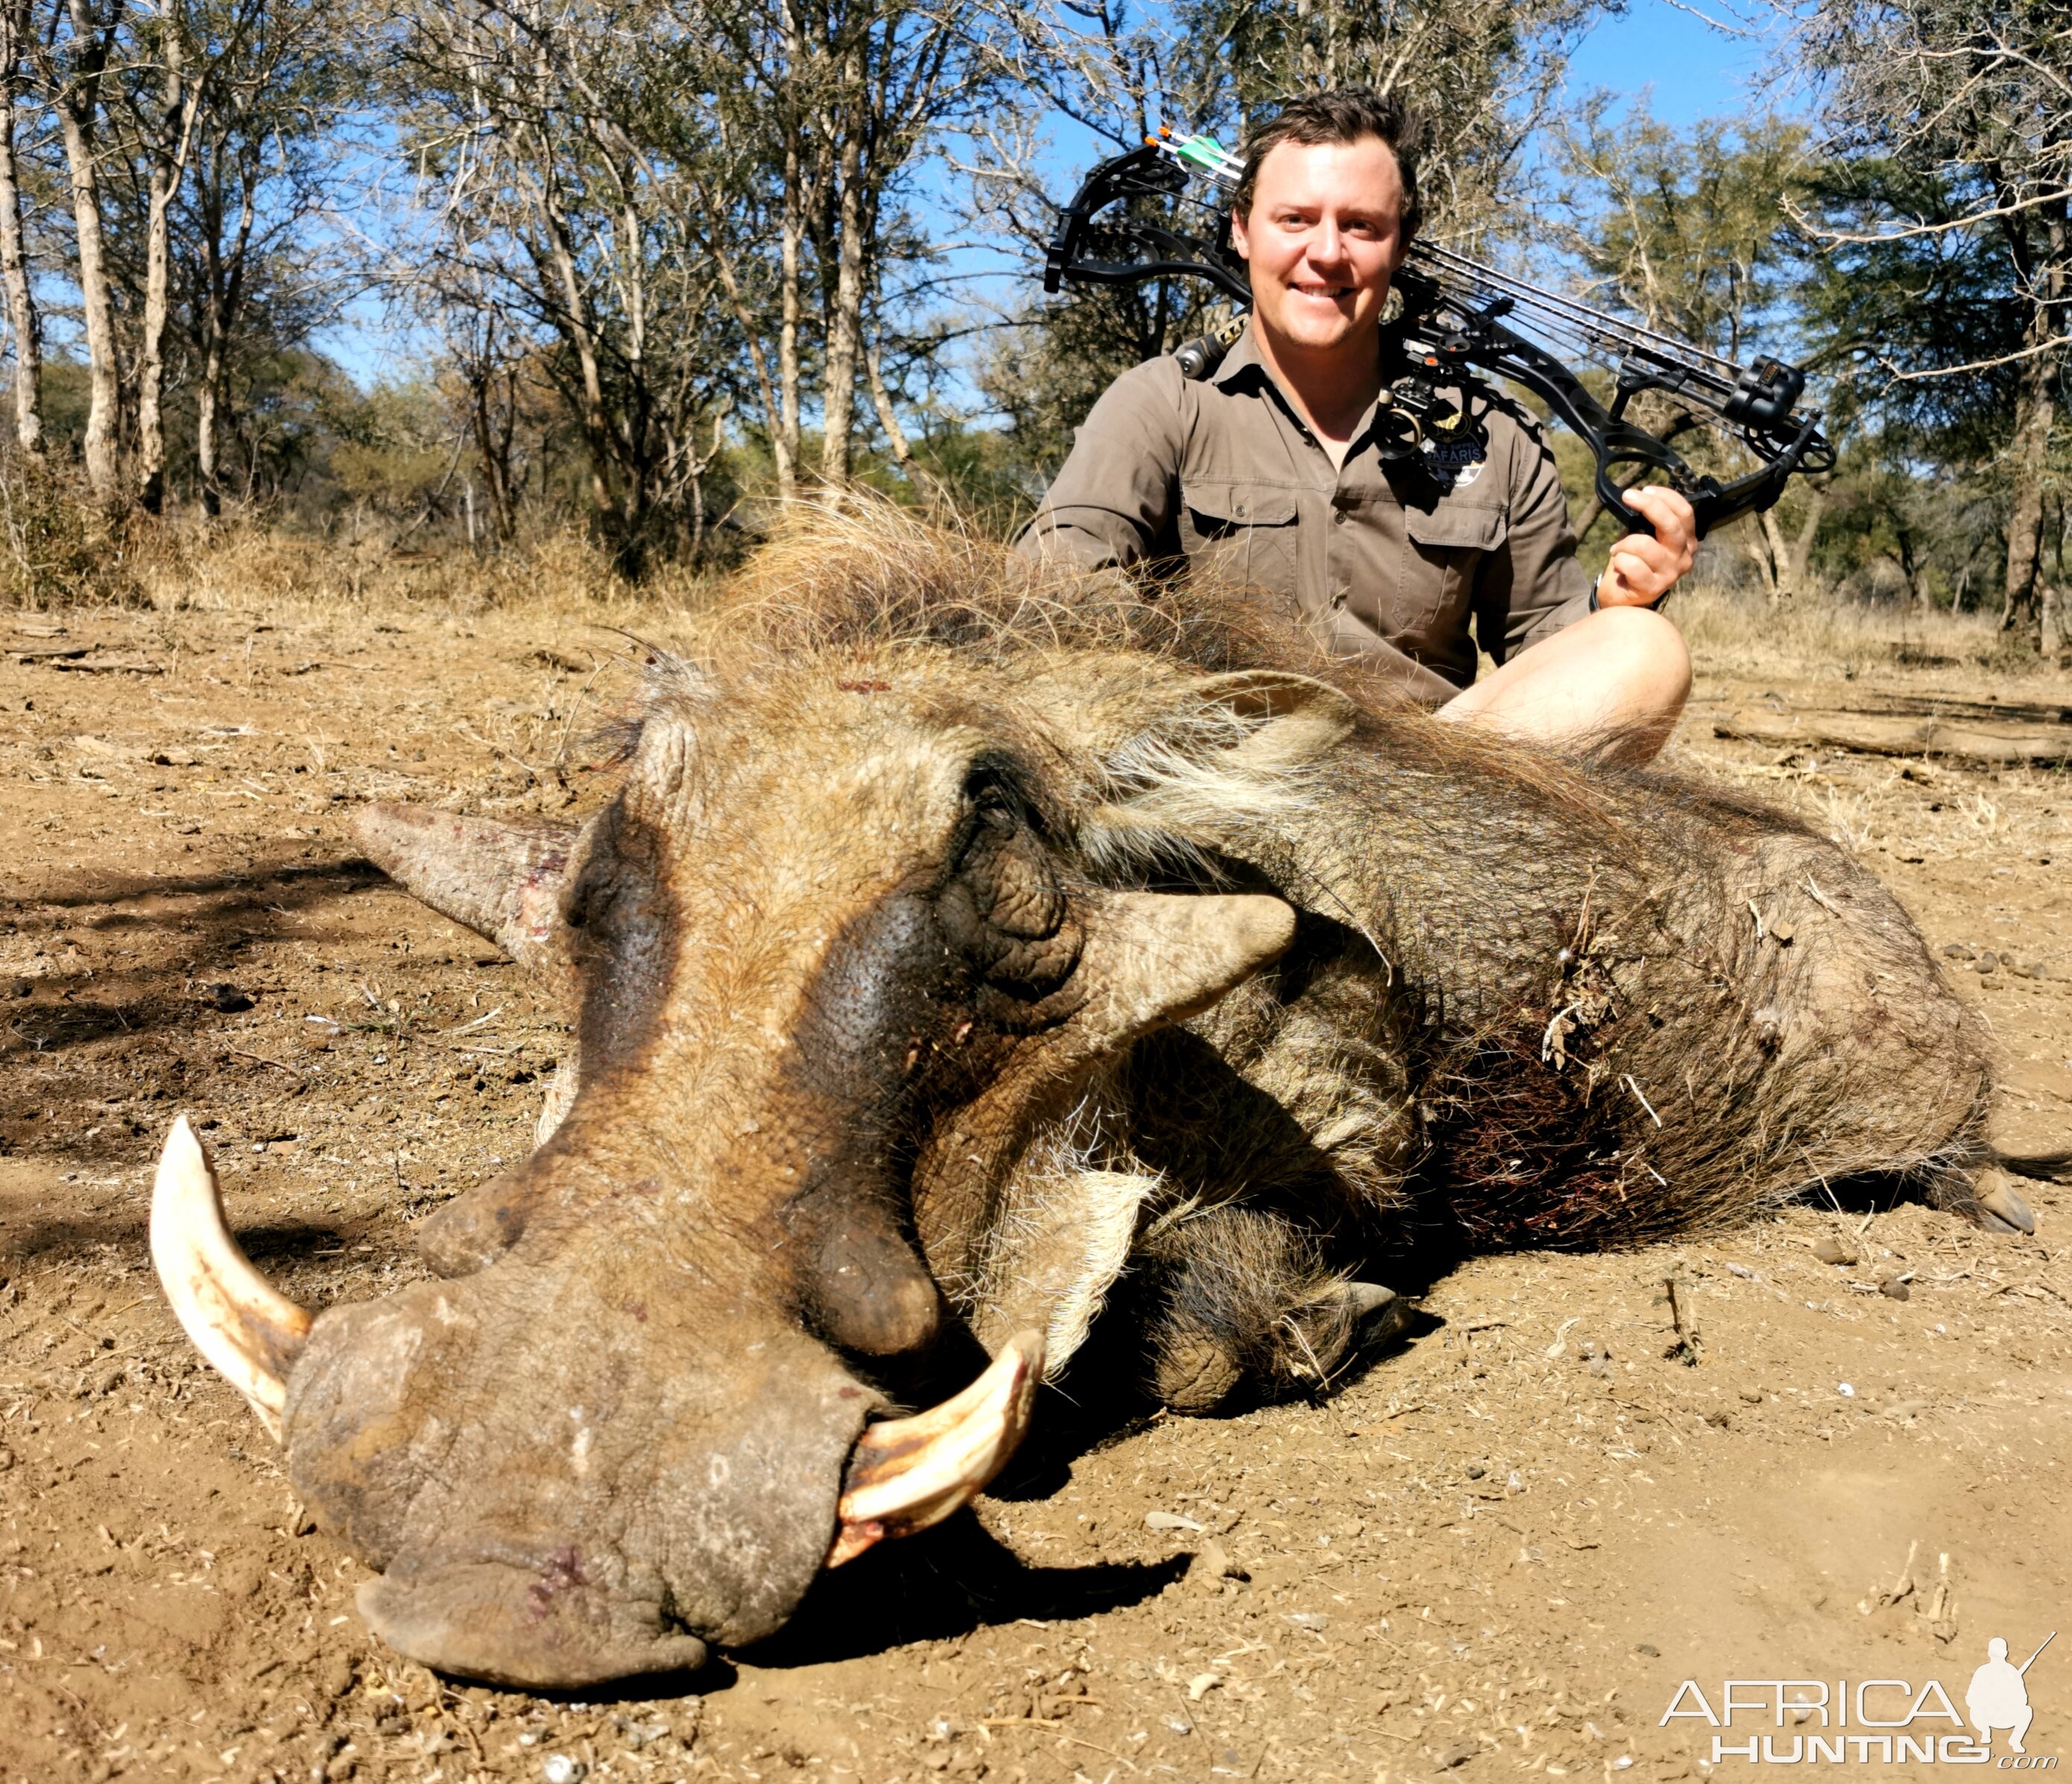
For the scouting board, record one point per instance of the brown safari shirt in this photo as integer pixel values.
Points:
(1392, 562)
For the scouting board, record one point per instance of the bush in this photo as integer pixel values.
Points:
(57, 547)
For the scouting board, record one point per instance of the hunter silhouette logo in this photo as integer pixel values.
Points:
(1871, 1721)
(1999, 1694)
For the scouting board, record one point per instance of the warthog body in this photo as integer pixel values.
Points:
(959, 951)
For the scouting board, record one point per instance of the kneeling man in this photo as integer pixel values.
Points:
(1270, 471)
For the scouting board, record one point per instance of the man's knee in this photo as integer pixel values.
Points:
(1646, 653)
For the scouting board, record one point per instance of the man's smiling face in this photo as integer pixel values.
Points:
(1323, 239)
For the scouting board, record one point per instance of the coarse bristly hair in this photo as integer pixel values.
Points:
(867, 576)
(1481, 892)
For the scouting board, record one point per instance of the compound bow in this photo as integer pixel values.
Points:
(1457, 314)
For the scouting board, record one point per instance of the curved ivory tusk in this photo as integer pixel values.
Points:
(249, 1331)
(908, 1473)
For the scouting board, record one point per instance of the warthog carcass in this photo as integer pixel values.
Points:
(964, 950)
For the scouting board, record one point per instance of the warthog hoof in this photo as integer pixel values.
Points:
(1987, 1200)
(1379, 1313)
(1195, 1374)
(2003, 1209)
(1198, 1369)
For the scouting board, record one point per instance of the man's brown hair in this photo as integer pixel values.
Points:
(1344, 114)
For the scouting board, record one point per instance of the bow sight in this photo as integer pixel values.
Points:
(1124, 227)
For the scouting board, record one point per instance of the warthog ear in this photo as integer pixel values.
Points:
(503, 881)
(1150, 959)
(1290, 717)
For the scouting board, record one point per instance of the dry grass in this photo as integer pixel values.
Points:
(57, 548)
(241, 567)
(1734, 633)
(244, 567)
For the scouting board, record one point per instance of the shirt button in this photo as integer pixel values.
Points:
(1338, 517)
(1238, 510)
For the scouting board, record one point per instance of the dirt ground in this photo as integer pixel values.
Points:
(1500, 1550)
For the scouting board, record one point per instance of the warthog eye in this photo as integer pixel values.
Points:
(994, 794)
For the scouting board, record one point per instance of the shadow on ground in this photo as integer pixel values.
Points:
(948, 1581)
(194, 931)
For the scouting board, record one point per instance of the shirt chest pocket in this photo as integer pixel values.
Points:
(1240, 532)
(1448, 546)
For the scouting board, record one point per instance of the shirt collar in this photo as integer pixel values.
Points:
(1242, 370)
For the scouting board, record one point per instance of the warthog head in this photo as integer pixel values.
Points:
(840, 943)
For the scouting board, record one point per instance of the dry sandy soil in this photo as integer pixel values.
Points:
(1498, 1551)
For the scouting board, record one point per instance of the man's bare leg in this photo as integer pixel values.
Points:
(1618, 679)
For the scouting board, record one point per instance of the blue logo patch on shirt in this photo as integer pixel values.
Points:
(1456, 463)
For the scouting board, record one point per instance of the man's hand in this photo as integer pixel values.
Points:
(1642, 570)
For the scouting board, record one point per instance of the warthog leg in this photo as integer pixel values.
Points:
(1246, 1300)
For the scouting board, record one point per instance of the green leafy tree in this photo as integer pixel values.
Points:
(1926, 459)
(1950, 130)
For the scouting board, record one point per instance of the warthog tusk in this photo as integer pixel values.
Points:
(908, 1473)
(251, 1333)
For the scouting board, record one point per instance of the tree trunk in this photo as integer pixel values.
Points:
(845, 325)
(222, 297)
(1773, 559)
(783, 452)
(208, 401)
(1809, 530)
(699, 467)
(168, 162)
(792, 230)
(1913, 567)
(785, 442)
(880, 399)
(636, 419)
(13, 260)
(2034, 405)
(576, 330)
(494, 444)
(1787, 560)
(77, 104)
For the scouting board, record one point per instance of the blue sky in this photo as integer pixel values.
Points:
(1693, 71)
